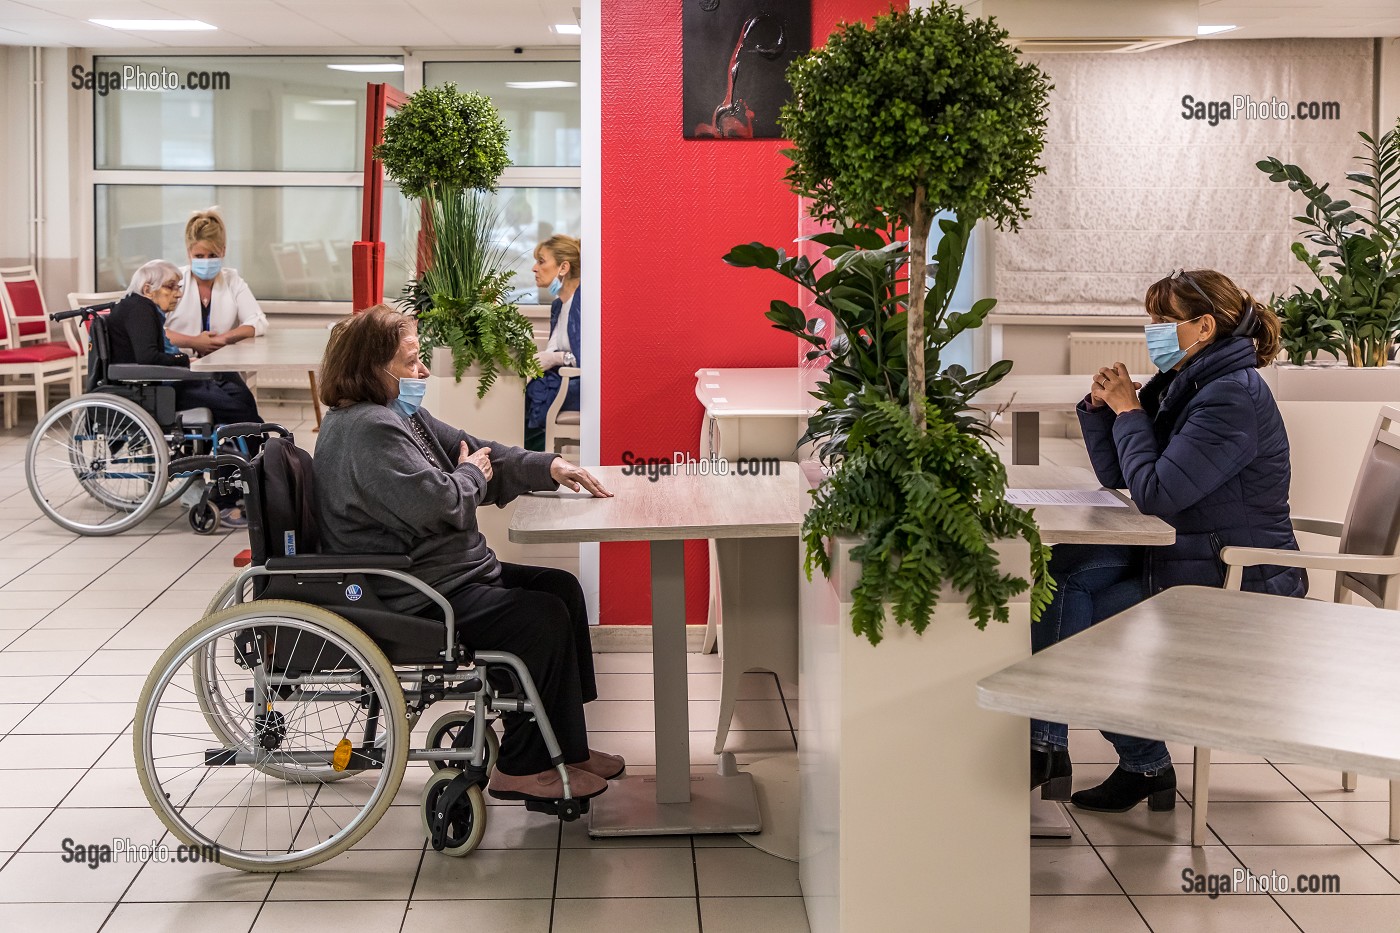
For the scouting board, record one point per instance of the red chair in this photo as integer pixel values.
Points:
(25, 309)
(33, 367)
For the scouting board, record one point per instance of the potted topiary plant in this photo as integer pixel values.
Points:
(923, 114)
(448, 149)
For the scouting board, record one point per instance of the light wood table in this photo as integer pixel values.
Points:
(1025, 397)
(1289, 679)
(301, 347)
(1086, 524)
(667, 512)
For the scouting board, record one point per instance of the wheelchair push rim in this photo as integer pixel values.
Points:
(212, 792)
(92, 465)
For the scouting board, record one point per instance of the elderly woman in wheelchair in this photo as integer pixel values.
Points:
(277, 727)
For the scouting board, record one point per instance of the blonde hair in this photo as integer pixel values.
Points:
(206, 227)
(563, 249)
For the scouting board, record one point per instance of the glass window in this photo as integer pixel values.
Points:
(539, 102)
(288, 243)
(231, 113)
(528, 217)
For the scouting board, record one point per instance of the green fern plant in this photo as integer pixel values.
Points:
(461, 296)
(929, 506)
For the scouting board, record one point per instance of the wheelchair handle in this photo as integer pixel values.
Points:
(89, 311)
(249, 429)
(204, 463)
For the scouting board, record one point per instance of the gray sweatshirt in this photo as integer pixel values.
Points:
(378, 493)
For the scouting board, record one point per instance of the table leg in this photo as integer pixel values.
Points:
(1025, 437)
(315, 399)
(679, 800)
(1048, 818)
(669, 672)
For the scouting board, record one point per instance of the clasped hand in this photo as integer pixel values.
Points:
(1114, 387)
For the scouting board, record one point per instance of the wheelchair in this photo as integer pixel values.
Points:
(99, 464)
(275, 732)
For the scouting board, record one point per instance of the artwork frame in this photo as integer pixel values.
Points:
(735, 54)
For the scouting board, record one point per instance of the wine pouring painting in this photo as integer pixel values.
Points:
(734, 59)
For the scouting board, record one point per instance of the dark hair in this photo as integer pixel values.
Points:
(359, 349)
(1174, 299)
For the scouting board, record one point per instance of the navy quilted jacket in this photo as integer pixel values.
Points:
(1208, 454)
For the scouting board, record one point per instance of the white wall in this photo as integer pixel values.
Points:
(1132, 189)
(14, 155)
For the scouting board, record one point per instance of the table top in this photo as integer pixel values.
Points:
(1036, 393)
(1290, 679)
(785, 392)
(286, 346)
(1086, 524)
(772, 392)
(678, 506)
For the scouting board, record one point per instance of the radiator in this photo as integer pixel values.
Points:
(1090, 351)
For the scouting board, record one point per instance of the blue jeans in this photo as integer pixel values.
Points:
(1093, 582)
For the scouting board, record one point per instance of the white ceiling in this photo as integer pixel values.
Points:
(491, 23)
(292, 23)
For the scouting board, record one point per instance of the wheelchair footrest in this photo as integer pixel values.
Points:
(566, 810)
(360, 758)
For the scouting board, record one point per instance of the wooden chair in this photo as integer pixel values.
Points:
(562, 427)
(1367, 565)
(25, 304)
(32, 368)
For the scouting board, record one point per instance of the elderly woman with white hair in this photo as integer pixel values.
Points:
(136, 334)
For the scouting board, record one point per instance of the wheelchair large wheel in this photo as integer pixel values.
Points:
(317, 696)
(97, 464)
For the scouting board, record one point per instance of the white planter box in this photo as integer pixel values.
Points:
(499, 417)
(915, 814)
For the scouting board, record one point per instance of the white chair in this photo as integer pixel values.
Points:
(78, 300)
(1367, 565)
(562, 427)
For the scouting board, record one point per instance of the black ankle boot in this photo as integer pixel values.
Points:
(1126, 789)
(1051, 771)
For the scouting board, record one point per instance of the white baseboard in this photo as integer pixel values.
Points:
(637, 638)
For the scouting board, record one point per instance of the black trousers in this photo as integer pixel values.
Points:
(230, 401)
(538, 614)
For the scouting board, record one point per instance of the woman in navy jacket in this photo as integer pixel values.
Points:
(556, 268)
(1203, 447)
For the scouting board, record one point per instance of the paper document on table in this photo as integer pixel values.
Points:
(1032, 497)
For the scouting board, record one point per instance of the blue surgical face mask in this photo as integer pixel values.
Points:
(411, 392)
(206, 269)
(556, 287)
(1164, 344)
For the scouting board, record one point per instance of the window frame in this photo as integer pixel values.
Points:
(414, 62)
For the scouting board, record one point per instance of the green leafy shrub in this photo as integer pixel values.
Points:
(884, 468)
(444, 140)
(1356, 313)
(922, 112)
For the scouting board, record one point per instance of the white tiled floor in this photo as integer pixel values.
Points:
(82, 621)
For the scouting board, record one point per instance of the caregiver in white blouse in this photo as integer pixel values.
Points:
(217, 307)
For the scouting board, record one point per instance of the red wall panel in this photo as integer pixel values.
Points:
(671, 208)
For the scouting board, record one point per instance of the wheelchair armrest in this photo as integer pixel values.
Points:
(339, 562)
(133, 372)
